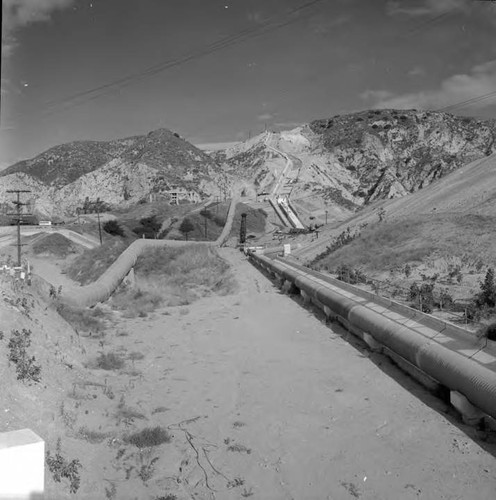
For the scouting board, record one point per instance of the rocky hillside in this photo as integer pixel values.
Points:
(119, 172)
(345, 162)
(393, 153)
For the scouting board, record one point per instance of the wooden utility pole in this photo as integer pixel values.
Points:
(99, 225)
(242, 230)
(205, 215)
(18, 215)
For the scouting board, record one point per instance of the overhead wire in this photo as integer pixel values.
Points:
(270, 24)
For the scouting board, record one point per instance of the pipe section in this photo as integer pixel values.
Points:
(447, 366)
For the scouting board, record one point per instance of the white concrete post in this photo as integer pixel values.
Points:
(22, 465)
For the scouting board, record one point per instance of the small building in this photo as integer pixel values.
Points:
(178, 194)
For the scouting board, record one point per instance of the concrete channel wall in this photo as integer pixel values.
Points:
(443, 353)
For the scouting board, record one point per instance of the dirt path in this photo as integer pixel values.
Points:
(276, 405)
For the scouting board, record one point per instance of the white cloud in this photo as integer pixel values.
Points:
(19, 13)
(427, 7)
(481, 80)
(376, 95)
(417, 71)
(264, 117)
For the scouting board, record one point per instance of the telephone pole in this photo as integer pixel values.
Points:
(18, 215)
(99, 225)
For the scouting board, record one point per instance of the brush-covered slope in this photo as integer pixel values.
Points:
(120, 172)
(452, 218)
(346, 162)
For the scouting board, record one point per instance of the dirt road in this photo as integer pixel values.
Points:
(273, 404)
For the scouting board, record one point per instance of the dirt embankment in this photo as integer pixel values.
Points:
(261, 400)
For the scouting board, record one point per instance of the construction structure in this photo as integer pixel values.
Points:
(178, 194)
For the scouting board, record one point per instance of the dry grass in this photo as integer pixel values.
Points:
(108, 361)
(84, 319)
(174, 277)
(136, 302)
(55, 244)
(151, 436)
(390, 245)
(196, 268)
(93, 436)
(382, 246)
(92, 263)
(217, 214)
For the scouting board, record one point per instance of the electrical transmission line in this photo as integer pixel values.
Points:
(272, 23)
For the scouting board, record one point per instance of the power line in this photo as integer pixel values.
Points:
(270, 24)
(472, 100)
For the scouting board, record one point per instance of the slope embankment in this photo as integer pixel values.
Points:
(101, 289)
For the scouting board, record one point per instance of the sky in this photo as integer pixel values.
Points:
(217, 71)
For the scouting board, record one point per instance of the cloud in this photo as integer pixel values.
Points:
(288, 124)
(264, 117)
(427, 7)
(376, 95)
(480, 81)
(417, 71)
(17, 14)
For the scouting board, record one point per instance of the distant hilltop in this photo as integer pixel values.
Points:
(338, 164)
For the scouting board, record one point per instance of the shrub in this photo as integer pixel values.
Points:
(83, 319)
(445, 299)
(25, 366)
(349, 275)
(61, 468)
(112, 227)
(487, 295)
(136, 302)
(488, 331)
(186, 227)
(149, 227)
(151, 436)
(422, 297)
(109, 361)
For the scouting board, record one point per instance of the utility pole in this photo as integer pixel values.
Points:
(242, 230)
(205, 212)
(99, 225)
(18, 216)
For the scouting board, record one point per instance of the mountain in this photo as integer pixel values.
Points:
(119, 172)
(330, 168)
(344, 163)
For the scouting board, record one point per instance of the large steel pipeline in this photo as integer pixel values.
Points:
(105, 285)
(450, 368)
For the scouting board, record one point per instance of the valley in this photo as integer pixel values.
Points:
(170, 367)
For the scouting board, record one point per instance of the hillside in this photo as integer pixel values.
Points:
(121, 172)
(344, 163)
(397, 152)
(330, 168)
(444, 231)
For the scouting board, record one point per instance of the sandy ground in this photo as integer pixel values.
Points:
(264, 401)
(307, 414)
